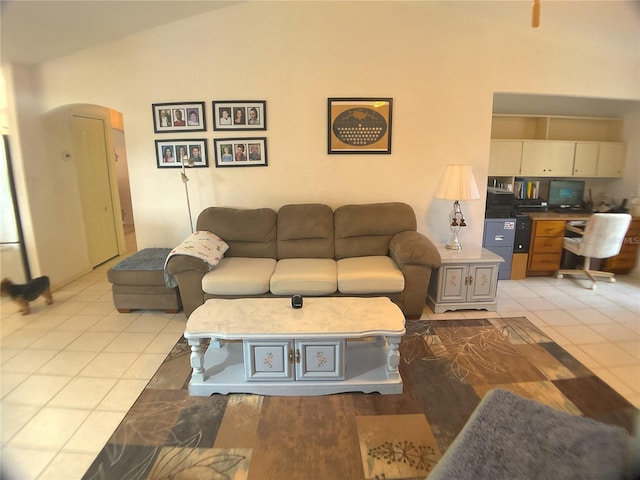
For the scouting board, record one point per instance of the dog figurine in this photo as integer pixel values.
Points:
(22, 294)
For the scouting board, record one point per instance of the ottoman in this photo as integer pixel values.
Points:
(138, 283)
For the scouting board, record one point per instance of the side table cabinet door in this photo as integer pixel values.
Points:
(483, 283)
(453, 283)
(320, 359)
(268, 360)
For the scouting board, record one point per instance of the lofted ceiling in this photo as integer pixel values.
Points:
(33, 31)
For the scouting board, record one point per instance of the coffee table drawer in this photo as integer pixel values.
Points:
(288, 360)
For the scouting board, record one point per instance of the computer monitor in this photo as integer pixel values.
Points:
(565, 193)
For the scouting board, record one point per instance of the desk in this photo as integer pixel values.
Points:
(547, 233)
(547, 236)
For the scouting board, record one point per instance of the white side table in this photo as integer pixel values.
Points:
(466, 279)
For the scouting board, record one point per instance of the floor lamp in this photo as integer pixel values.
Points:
(185, 179)
(457, 184)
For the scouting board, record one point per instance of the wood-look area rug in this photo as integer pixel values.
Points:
(447, 368)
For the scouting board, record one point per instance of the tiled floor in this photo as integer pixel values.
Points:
(70, 371)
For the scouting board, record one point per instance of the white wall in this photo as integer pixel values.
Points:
(440, 61)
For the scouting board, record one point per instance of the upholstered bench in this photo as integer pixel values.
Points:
(138, 283)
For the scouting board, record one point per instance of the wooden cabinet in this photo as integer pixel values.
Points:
(626, 260)
(547, 237)
(467, 279)
(556, 146)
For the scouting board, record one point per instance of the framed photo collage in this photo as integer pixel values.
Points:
(229, 115)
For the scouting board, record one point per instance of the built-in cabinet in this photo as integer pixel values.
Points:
(551, 146)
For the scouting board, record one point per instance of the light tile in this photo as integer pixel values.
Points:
(588, 316)
(67, 363)
(537, 303)
(92, 342)
(9, 381)
(557, 318)
(609, 355)
(28, 361)
(25, 464)
(112, 323)
(55, 340)
(94, 432)
(163, 343)
(67, 465)
(37, 390)
(632, 348)
(629, 375)
(614, 381)
(80, 323)
(130, 342)
(145, 366)
(579, 334)
(50, 428)
(83, 393)
(14, 417)
(149, 323)
(614, 332)
(123, 395)
(109, 365)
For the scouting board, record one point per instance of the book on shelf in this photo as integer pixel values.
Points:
(526, 189)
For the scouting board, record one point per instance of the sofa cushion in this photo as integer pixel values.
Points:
(248, 232)
(363, 275)
(305, 231)
(304, 276)
(366, 230)
(239, 276)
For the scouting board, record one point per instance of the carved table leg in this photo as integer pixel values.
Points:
(197, 359)
(393, 358)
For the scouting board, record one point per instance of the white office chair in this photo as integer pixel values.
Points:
(602, 238)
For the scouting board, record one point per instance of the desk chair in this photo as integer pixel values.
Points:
(602, 237)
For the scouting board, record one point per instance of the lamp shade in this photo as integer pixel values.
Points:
(458, 183)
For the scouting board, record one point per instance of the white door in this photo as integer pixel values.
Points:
(92, 163)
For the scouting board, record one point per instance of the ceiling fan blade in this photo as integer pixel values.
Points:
(535, 14)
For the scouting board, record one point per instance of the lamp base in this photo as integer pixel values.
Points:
(454, 244)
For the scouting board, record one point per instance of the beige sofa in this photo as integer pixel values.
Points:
(312, 250)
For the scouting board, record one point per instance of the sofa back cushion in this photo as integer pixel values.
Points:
(305, 231)
(248, 232)
(365, 230)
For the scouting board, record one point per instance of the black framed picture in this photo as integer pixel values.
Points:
(189, 152)
(179, 117)
(240, 152)
(239, 115)
(359, 125)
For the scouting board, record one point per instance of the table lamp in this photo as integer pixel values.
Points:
(457, 184)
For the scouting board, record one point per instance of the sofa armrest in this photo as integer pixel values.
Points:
(416, 256)
(188, 272)
(413, 248)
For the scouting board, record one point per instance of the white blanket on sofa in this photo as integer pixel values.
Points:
(204, 245)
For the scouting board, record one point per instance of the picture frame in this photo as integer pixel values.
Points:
(240, 152)
(239, 115)
(359, 125)
(168, 153)
(179, 117)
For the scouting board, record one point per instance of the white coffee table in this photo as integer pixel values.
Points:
(266, 347)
